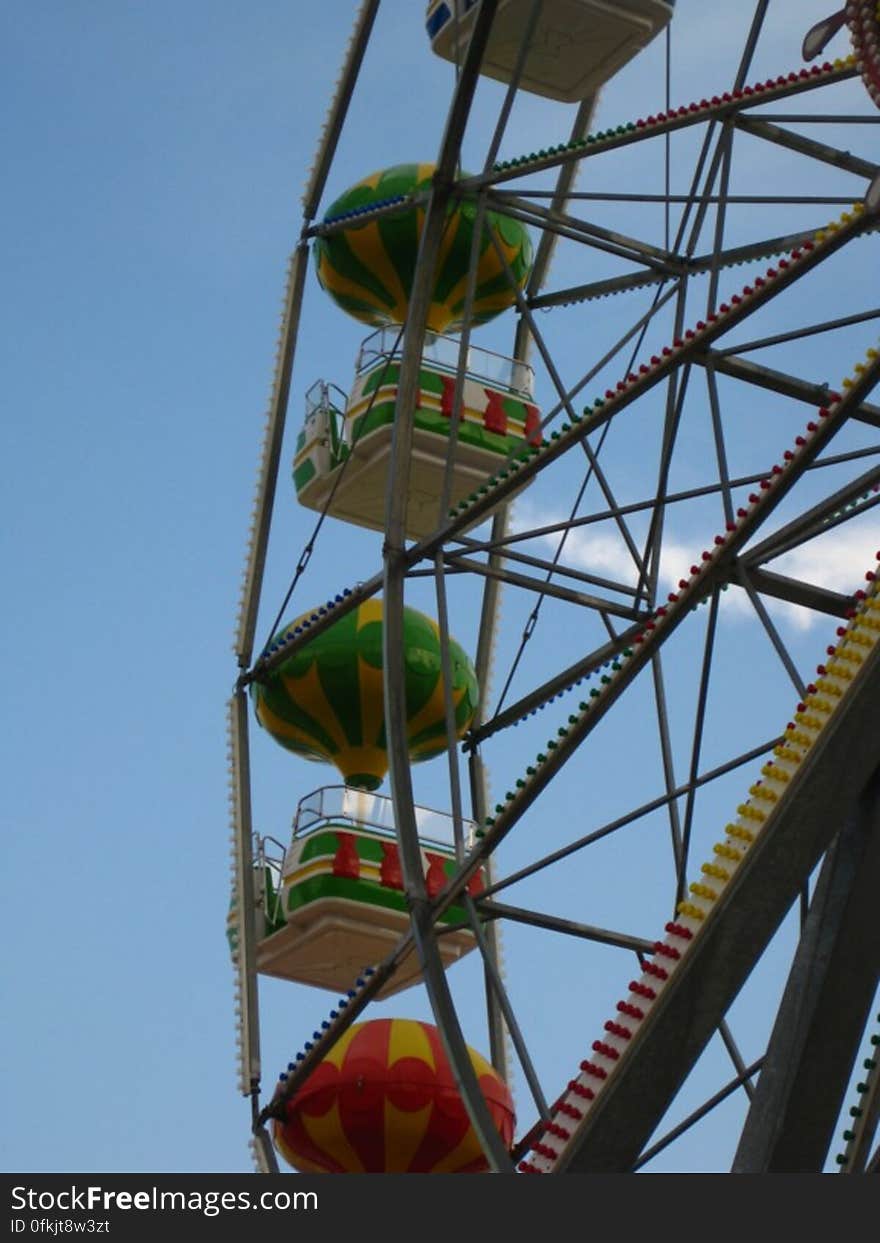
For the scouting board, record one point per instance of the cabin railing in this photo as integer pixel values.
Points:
(333, 804)
(442, 353)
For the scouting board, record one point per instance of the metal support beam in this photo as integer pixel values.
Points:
(554, 220)
(778, 382)
(631, 817)
(479, 777)
(538, 563)
(264, 1152)
(807, 146)
(339, 106)
(553, 923)
(764, 249)
(742, 1080)
(734, 937)
(863, 1119)
(555, 686)
(822, 517)
(510, 170)
(543, 587)
(243, 872)
(271, 457)
(395, 567)
(768, 583)
(799, 334)
(824, 1008)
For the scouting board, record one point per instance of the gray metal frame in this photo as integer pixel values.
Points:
(616, 1134)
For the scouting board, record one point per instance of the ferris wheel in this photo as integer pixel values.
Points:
(666, 918)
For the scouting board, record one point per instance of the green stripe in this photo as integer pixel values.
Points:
(400, 179)
(400, 239)
(335, 653)
(384, 374)
(335, 254)
(367, 312)
(433, 732)
(272, 925)
(382, 415)
(497, 285)
(458, 257)
(512, 233)
(421, 661)
(276, 698)
(304, 473)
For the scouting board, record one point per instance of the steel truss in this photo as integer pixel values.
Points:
(819, 849)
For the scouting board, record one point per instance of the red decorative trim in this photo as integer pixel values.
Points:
(390, 873)
(346, 861)
(447, 402)
(494, 418)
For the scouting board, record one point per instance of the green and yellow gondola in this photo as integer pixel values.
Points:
(325, 702)
(367, 266)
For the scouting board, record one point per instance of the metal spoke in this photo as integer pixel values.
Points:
(654, 805)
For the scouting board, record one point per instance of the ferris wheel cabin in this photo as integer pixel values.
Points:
(343, 451)
(333, 903)
(577, 45)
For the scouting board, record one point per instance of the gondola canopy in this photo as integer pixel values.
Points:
(367, 266)
(326, 702)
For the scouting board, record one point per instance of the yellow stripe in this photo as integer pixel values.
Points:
(291, 1156)
(481, 1066)
(336, 1056)
(366, 243)
(464, 1154)
(333, 282)
(372, 694)
(409, 1039)
(369, 611)
(279, 728)
(404, 1131)
(359, 761)
(308, 692)
(327, 1133)
(324, 867)
(372, 702)
(432, 714)
(450, 233)
(489, 267)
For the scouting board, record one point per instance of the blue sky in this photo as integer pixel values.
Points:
(155, 155)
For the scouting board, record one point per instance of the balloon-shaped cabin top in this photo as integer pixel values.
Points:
(326, 700)
(384, 1101)
(367, 266)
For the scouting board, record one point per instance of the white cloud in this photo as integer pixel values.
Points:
(588, 548)
(836, 561)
